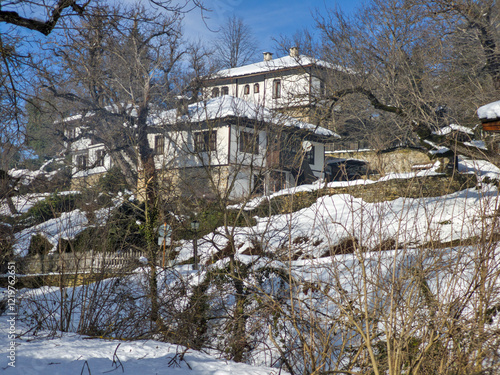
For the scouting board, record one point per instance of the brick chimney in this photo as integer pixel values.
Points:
(294, 52)
(268, 56)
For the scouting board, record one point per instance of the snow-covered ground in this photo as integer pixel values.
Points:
(334, 218)
(71, 353)
(67, 226)
(306, 236)
(319, 184)
(22, 203)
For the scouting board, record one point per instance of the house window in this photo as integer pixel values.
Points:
(215, 92)
(249, 143)
(159, 144)
(310, 156)
(256, 88)
(246, 90)
(205, 141)
(99, 155)
(277, 88)
(81, 161)
(225, 90)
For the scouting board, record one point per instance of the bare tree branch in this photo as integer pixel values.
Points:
(43, 27)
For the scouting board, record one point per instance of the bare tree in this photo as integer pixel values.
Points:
(114, 69)
(16, 64)
(416, 66)
(480, 19)
(235, 46)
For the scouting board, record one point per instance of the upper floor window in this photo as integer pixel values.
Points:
(205, 141)
(225, 90)
(248, 142)
(246, 90)
(99, 156)
(277, 88)
(81, 161)
(215, 92)
(256, 88)
(159, 144)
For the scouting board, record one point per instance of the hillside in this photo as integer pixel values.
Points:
(329, 281)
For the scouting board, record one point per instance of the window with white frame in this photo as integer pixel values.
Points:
(277, 88)
(159, 144)
(249, 142)
(81, 161)
(71, 133)
(310, 155)
(99, 155)
(205, 141)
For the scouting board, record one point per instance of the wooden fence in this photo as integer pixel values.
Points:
(84, 262)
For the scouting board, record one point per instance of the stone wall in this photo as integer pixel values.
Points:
(79, 183)
(418, 187)
(398, 161)
(195, 181)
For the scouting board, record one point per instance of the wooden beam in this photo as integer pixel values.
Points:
(491, 126)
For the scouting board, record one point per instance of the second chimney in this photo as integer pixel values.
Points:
(268, 56)
(294, 52)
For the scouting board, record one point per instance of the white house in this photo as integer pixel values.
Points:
(245, 147)
(289, 83)
(89, 158)
(251, 131)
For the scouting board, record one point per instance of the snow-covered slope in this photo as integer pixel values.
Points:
(70, 353)
(320, 282)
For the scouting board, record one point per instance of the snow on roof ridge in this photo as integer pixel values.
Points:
(275, 64)
(113, 108)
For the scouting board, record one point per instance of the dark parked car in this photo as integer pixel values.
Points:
(345, 169)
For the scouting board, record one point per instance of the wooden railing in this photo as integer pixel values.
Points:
(82, 262)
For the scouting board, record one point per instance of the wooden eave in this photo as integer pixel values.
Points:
(492, 125)
(303, 133)
(242, 121)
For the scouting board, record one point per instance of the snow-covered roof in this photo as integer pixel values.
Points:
(489, 111)
(286, 62)
(227, 106)
(115, 109)
(230, 106)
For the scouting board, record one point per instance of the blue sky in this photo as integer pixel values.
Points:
(267, 18)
